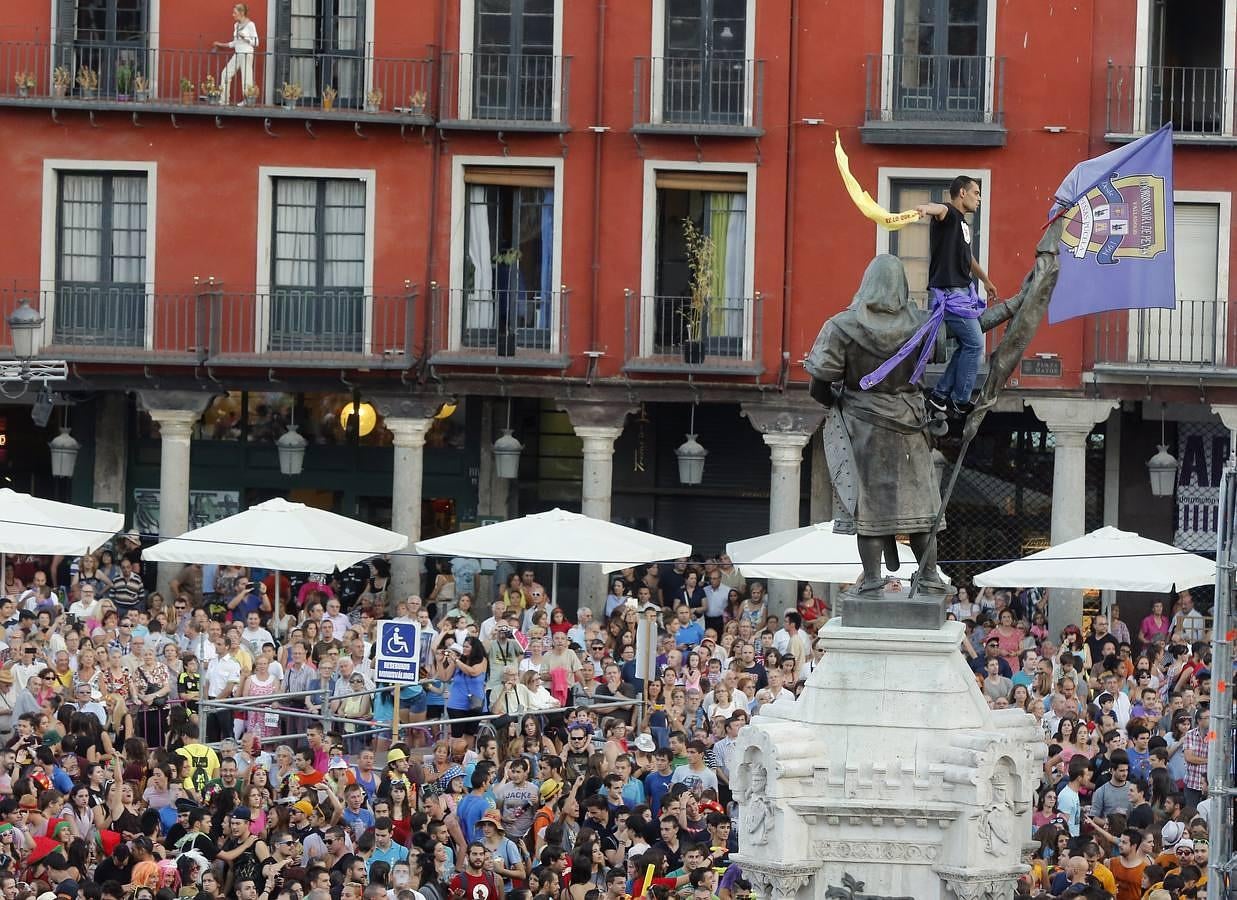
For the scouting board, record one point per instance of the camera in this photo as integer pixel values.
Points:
(504, 633)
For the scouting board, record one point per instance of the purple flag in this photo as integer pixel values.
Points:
(1117, 247)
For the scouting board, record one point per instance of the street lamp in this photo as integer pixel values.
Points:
(507, 451)
(291, 447)
(26, 328)
(1162, 467)
(64, 449)
(691, 454)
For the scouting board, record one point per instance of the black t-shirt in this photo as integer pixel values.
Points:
(949, 243)
(108, 870)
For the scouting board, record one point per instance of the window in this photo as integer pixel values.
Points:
(321, 43)
(100, 259)
(939, 61)
(102, 35)
(318, 265)
(1185, 81)
(910, 244)
(704, 76)
(1194, 331)
(508, 287)
(717, 206)
(513, 74)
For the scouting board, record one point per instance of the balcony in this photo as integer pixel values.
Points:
(659, 337)
(314, 329)
(1192, 341)
(698, 96)
(504, 92)
(303, 85)
(1198, 101)
(934, 99)
(499, 328)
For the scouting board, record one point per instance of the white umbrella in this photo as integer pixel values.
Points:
(282, 536)
(812, 553)
(48, 528)
(1106, 559)
(557, 537)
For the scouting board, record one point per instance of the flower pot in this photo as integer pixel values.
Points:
(23, 91)
(89, 93)
(59, 90)
(372, 107)
(187, 96)
(328, 103)
(693, 352)
(289, 104)
(417, 111)
(122, 98)
(141, 96)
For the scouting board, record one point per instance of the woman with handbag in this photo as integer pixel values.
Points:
(149, 688)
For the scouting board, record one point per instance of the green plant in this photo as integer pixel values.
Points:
(124, 78)
(87, 79)
(211, 88)
(701, 260)
(186, 85)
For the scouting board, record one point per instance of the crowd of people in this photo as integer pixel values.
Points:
(1122, 809)
(532, 761)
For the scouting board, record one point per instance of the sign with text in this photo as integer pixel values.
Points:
(1202, 448)
(399, 653)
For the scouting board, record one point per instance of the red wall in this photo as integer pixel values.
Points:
(1055, 75)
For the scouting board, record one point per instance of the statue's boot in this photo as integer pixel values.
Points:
(870, 589)
(892, 562)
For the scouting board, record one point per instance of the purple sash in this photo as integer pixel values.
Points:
(955, 302)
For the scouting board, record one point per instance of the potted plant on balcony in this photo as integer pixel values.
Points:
(416, 103)
(251, 94)
(373, 100)
(25, 83)
(701, 257)
(291, 94)
(187, 94)
(61, 79)
(124, 81)
(141, 88)
(328, 97)
(88, 81)
(212, 90)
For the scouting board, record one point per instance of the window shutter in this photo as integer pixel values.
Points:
(510, 176)
(66, 33)
(283, 41)
(701, 181)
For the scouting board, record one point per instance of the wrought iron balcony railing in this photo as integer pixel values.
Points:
(931, 88)
(1195, 337)
(505, 91)
(499, 327)
(1198, 101)
(301, 83)
(303, 328)
(666, 334)
(698, 95)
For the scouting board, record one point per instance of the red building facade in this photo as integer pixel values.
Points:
(485, 202)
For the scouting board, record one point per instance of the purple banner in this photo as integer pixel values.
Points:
(1117, 248)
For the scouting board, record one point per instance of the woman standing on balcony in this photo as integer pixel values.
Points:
(244, 42)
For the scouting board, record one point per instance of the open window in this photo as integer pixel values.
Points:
(1186, 75)
(319, 44)
(705, 73)
(108, 37)
(940, 66)
(910, 244)
(508, 300)
(512, 64)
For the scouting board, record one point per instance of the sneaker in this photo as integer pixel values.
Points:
(960, 410)
(936, 403)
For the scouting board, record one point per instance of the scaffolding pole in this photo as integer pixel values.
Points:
(1221, 735)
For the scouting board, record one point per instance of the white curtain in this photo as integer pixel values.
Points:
(479, 301)
(736, 266)
(304, 25)
(295, 231)
(81, 210)
(129, 229)
(344, 233)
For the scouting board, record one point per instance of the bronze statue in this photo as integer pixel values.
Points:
(878, 442)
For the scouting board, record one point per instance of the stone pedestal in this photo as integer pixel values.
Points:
(889, 777)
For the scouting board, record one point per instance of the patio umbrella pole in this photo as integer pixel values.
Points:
(276, 596)
(554, 588)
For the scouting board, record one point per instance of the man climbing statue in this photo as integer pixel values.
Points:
(952, 268)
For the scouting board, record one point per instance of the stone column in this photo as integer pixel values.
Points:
(176, 413)
(598, 426)
(111, 457)
(1070, 420)
(1228, 415)
(785, 430)
(407, 481)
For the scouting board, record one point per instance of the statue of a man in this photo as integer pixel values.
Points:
(882, 433)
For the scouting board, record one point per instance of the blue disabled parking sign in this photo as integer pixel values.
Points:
(399, 653)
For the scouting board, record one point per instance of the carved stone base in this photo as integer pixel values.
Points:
(779, 881)
(990, 885)
(892, 611)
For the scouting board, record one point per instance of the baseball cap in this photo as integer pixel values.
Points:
(304, 806)
(68, 886)
(241, 812)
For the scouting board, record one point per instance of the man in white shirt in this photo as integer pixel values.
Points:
(792, 640)
(578, 633)
(338, 620)
(86, 606)
(255, 635)
(1188, 620)
(223, 678)
(486, 631)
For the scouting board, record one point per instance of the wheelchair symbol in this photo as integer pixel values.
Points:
(396, 643)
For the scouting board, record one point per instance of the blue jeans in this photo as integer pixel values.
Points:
(959, 379)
